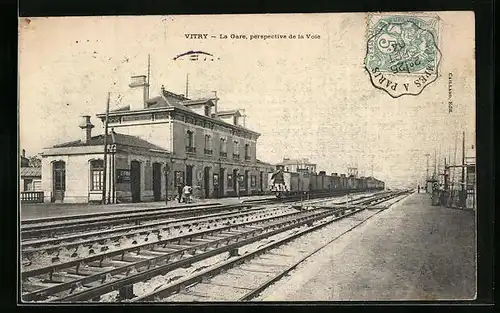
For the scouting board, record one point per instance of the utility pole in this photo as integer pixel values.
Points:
(105, 152)
(463, 170)
(187, 84)
(445, 176)
(427, 172)
(215, 102)
(435, 164)
(149, 72)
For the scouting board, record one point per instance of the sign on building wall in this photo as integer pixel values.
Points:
(122, 176)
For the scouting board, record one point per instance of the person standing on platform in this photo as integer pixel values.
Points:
(179, 192)
(187, 193)
(238, 187)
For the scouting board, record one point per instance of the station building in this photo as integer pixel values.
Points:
(30, 176)
(154, 145)
(296, 165)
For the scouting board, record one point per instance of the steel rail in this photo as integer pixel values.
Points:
(52, 268)
(65, 218)
(136, 218)
(50, 230)
(256, 291)
(113, 234)
(179, 253)
(188, 252)
(179, 285)
(28, 248)
(41, 223)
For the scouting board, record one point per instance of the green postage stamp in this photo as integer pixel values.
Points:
(402, 53)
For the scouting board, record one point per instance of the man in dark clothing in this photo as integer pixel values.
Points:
(179, 191)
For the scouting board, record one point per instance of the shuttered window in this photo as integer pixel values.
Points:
(96, 174)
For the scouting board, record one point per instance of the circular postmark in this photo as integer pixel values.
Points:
(402, 55)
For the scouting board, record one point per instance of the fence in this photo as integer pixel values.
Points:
(31, 196)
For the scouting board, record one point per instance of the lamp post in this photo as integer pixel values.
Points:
(427, 172)
(165, 171)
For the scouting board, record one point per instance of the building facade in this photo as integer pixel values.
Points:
(296, 165)
(157, 145)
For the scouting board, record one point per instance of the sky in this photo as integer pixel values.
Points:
(308, 98)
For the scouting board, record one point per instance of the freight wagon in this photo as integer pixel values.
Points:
(284, 184)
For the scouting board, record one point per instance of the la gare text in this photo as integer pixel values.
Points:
(252, 37)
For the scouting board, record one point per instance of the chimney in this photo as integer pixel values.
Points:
(215, 100)
(140, 88)
(24, 153)
(86, 126)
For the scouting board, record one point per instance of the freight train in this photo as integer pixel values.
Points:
(285, 184)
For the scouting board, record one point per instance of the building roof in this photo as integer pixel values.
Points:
(170, 100)
(229, 112)
(262, 162)
(24, 161)
(294, 162)
(113, 137)
(31, 171)
(198, 101)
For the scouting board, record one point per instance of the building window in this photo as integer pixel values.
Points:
(96, 174)
(223, 147)
(28, 184)
(230, 181)
(236, 152)
(247, 155)
(253, 181)
(190, 142)
(208, 144)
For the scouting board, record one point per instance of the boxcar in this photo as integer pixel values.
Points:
(288, 183)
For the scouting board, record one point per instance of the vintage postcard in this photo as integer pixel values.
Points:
(263, 157)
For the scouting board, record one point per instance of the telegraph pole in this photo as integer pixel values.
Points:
(105, 152)
(463, 169)
(435, 164)
(427, 171)
(149, 72)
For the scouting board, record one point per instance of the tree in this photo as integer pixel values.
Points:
(35, 161)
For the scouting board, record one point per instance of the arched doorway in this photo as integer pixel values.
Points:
(220, 181)
(189, 175)
(247, 190)
(59, 180)
(157, 181)
(235, 181)
(135, 180)
(206, 181)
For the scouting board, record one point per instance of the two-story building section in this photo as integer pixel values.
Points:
(165, 142)
(296, 165)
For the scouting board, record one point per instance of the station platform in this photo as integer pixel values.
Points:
(411, 251)
(41, 210)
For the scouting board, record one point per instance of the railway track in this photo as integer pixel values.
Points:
(56, 226)
(245, 277)
(43, 252)
(90, 277)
